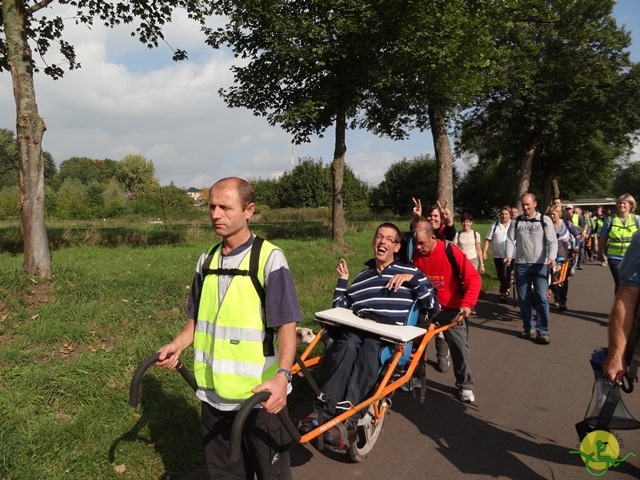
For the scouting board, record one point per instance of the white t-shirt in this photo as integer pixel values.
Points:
(498, 236)
(467, 242)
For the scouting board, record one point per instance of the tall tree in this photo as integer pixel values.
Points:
(409, 178)
(307, 64)
(568, 103)
(447, 57)
(137, 173)
(22, 34)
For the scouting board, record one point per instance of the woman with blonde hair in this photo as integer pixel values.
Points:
(616, 234)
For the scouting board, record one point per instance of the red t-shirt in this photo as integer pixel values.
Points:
(435, 265)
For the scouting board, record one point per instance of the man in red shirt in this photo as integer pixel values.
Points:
(458, 286)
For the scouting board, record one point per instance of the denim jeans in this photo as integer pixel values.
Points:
(532, 282)
(349, 369)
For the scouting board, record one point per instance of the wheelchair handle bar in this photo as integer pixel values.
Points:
(134, 389)
(241, 416)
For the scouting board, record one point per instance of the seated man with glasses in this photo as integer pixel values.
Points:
(385, 291)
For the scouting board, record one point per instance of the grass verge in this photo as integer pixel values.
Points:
(69, 347)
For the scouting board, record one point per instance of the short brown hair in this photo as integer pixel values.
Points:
(245, 190)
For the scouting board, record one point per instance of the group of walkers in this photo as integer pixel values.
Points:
(539, 252)
(243, 309)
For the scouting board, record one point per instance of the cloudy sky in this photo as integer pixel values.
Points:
(127, 99)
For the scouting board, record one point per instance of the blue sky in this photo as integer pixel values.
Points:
(127, 99)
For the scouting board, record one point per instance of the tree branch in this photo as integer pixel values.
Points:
(40, 5)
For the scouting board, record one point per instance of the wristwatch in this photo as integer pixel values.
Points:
(285, 372)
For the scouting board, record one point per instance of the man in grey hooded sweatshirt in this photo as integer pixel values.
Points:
(532, 246)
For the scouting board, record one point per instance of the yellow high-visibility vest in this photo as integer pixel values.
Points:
(228, 340)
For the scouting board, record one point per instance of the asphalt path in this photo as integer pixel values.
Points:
(528, 399)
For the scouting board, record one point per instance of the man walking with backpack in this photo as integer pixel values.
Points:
(532, 246)
(458, 284)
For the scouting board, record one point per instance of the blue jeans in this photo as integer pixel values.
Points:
(350, 369)
(532, 283)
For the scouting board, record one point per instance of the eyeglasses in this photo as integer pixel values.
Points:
(379, 238)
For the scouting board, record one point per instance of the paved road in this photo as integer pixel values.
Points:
(528, 399)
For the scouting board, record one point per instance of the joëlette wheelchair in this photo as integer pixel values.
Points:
(403, 357)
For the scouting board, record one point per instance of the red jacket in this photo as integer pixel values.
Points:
(435, 265)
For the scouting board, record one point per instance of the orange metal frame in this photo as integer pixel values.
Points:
(385, 387)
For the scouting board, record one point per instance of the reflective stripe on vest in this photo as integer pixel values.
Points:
(620, 235)
(229, 357)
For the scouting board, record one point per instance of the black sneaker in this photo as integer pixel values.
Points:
(309, 423)
(334, 438)
(528, 334)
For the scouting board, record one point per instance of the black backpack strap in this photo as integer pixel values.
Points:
(544, 227)
(454, 264)
(254, 262)
(206, 266)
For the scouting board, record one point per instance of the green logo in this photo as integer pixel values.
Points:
(600, 451)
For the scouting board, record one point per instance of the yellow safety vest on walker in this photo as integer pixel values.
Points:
(620, 235)
(234, 349)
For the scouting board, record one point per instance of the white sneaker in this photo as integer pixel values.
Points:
(411, 384)
(467, 396)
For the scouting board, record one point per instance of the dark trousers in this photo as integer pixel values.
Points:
(504, 274)
(458, 340)
(613, 267)
(265, 446)
(349, 369)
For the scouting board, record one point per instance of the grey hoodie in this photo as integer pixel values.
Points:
(532, 243)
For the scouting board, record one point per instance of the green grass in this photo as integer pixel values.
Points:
(69, 347)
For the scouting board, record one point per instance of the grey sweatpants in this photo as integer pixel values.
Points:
(458, 340)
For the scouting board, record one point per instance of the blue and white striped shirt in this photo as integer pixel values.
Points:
(368, 292)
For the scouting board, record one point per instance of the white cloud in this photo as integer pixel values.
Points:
(127, 99)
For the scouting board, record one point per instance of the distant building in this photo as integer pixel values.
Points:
(195, 195)
(591, 203)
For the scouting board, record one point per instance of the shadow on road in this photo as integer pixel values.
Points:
(479, 447)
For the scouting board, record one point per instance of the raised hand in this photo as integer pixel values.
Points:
(445, 213)
(343, 269)
(416, 211)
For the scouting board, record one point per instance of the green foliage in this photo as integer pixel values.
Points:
(308, 185)
(307, 61)
(70, 347)
(82, 169)
(569, 98)
(486, 187)
(136, 173)
(265, 190)
(47, 30)
(9, 199)
(627, 180)
(72, 199)
(9, 161)
(417, 178)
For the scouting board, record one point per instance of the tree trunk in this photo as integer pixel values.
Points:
(29, 132)
(555, 188)
(444, 158)
(337, 177)
(530, 150)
